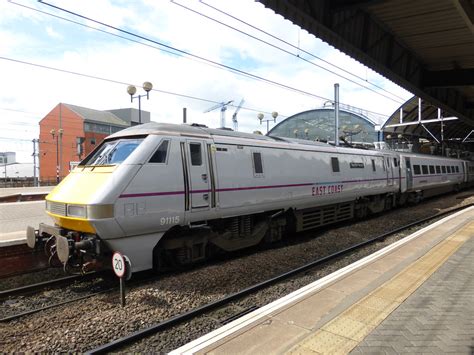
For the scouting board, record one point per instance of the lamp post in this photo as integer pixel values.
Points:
(59, 134)
(147, 86)
(274, 117)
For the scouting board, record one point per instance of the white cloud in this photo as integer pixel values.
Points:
(52, 33)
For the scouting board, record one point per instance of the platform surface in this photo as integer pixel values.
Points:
(24, 190)
(16, 216)
(414, 296)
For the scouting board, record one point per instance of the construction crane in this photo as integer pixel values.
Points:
(223, 107)
(234, 116)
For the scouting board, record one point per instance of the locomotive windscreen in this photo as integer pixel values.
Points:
(112, 152)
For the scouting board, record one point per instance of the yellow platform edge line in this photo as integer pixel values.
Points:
(346, 331)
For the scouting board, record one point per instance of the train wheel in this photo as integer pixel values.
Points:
(360, 210)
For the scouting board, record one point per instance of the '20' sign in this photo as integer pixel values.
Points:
(118, 264)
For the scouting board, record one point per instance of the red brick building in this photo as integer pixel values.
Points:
(68, 133)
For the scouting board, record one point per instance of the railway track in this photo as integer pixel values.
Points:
(132, 338)
(23, 291)
(139, 279)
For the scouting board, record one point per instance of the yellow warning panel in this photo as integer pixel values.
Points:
(325, 343)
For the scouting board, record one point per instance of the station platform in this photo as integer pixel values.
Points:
(16, 216)
(414, 296)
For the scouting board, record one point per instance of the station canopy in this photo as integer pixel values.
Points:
(425, 46)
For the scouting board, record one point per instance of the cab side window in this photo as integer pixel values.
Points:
(161, 153)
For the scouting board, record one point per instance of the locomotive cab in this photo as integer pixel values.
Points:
(82, 206)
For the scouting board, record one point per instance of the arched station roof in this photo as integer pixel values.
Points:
(318, 124)
(425, 46)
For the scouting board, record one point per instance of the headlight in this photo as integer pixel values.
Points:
(76, 211)
(100, 211)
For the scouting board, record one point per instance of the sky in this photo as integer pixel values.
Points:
(185, 48)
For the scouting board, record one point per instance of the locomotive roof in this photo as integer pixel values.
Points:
(201, 131)
(205, 132)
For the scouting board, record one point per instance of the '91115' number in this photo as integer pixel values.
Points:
(169, 220)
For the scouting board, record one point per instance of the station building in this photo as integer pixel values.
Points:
(318, 125)
(69, 132)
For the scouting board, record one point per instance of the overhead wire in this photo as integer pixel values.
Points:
(116, 82)
(288, 52)
(147, 45)
(297, 48)
(186, 53)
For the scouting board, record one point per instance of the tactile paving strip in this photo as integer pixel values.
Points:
(346, 331)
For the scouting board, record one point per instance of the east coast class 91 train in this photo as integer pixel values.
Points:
(166, 194)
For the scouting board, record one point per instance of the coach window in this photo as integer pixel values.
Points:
(438, 169)
(416, 169)
(160, 155)
(432, 169)
(373, 164)
(457, 169)
(195, 149)
(335, 165)
(257, 164)
(395, 162)
(424, 169)
(453, 169)
(443, 169)
(448, 169)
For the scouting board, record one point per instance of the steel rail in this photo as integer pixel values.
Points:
(58, 304)
(41, 285)
(32, 311)
(140, 334)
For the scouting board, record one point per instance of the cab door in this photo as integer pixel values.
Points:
(199, 181)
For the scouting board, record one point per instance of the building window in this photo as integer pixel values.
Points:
(93, 141)
(335, 165)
